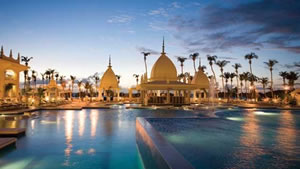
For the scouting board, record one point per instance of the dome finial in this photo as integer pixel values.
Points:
(109, 64)
(10, 54)
(163, 45)
(2, 51)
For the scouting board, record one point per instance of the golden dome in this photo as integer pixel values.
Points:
(163, 69)
(109, 79)
(201, 80)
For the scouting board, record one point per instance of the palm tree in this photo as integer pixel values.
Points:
(73, 78)
(25, 78)
(271, 64)
(56, 76)
(29, 81)
(181, 76)
(292, 77)
(264, 81)
(202, 68)
(43, 78)
(181, 60)
(118, 78)
(62, 82)
(227, 77)
(284, 75)
(88, 87)
(194, 57)
(236, 66)
(211, 61)
(241, 78)
(79, 87)
(249, 57)
(222, 64)
(96, 78)
(145, 60)
(232, 76)
(34, 77)
(136, 76)
(47, 73)
(246, 76)
(26, 59)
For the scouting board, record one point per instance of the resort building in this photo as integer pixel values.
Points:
(109, 89)
(164, 87)
(9, 79)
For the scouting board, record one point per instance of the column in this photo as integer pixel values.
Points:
(168, 97)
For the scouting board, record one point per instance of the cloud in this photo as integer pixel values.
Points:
(159, 11)
(227, 58)
(252, 25)
(143, 49)
(120, 19)
(176, 5)
(295, 66)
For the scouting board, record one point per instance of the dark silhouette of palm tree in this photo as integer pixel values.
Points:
(194, 57)
(181, 60)
(292, 77)
(249, 57)
(136, 76)
(26, 59)
(145, 60)
(43, 78)
(222, 64)
(271, 64)
(264, 81)
(34, 77)
(284, 75)
(211, 61)
(236, 66)
(73, 78)
(118, 78)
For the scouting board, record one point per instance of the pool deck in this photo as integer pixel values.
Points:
(9, 132)
(5, 142)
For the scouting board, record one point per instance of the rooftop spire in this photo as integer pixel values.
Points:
(10, 54)
(163, 45)
(2, 51)
(109, 64)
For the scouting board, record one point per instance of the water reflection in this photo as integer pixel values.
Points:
(94, 120)
(68, 134)
(286, 136)
(81, 118)
(250, 141)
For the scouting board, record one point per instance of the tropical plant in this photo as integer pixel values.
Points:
(241, 78)
(136, 76)
(222, 64)
(56, 77)
(73, 78)
(236, 67)
(194, 57)
(26, 59)
(227, 77)
(292, 77)
(271, 64)
(25, 78)
(118, 78)
(232, 76)
(43, 78)
(96, 79)
(145, 59)
(34, 77)
(79, 87)
(62, 82)
(211, 61)
(284, 75)
(264, 81)
(249, 57)
(181, 60)
(41, 94)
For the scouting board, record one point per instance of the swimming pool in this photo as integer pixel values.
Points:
(237, 139)
(89, 138)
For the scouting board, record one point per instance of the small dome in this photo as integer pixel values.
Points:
(201, 80)
(109, 79)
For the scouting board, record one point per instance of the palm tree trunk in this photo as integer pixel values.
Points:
(272, 84)
(145, 65)
(237, 84)
(223, 81)
(194, 65)
(181, 68)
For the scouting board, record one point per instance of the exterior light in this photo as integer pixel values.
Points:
(286, 87)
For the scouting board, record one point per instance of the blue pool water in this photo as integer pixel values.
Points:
(237, 139)
(86, 139)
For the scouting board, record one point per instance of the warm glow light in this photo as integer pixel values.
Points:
(68, 131)
(81, 118)
(94, 120)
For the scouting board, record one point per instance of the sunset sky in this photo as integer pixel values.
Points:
(76, 37)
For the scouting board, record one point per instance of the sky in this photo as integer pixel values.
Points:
(76, 37)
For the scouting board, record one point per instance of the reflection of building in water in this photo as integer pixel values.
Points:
(81, 118)
(9, 79)
(94, 120)
(166, 87)
(68, 134)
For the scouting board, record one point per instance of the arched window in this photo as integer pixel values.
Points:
(10, 75)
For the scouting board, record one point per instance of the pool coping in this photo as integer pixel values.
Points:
(167, 152)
